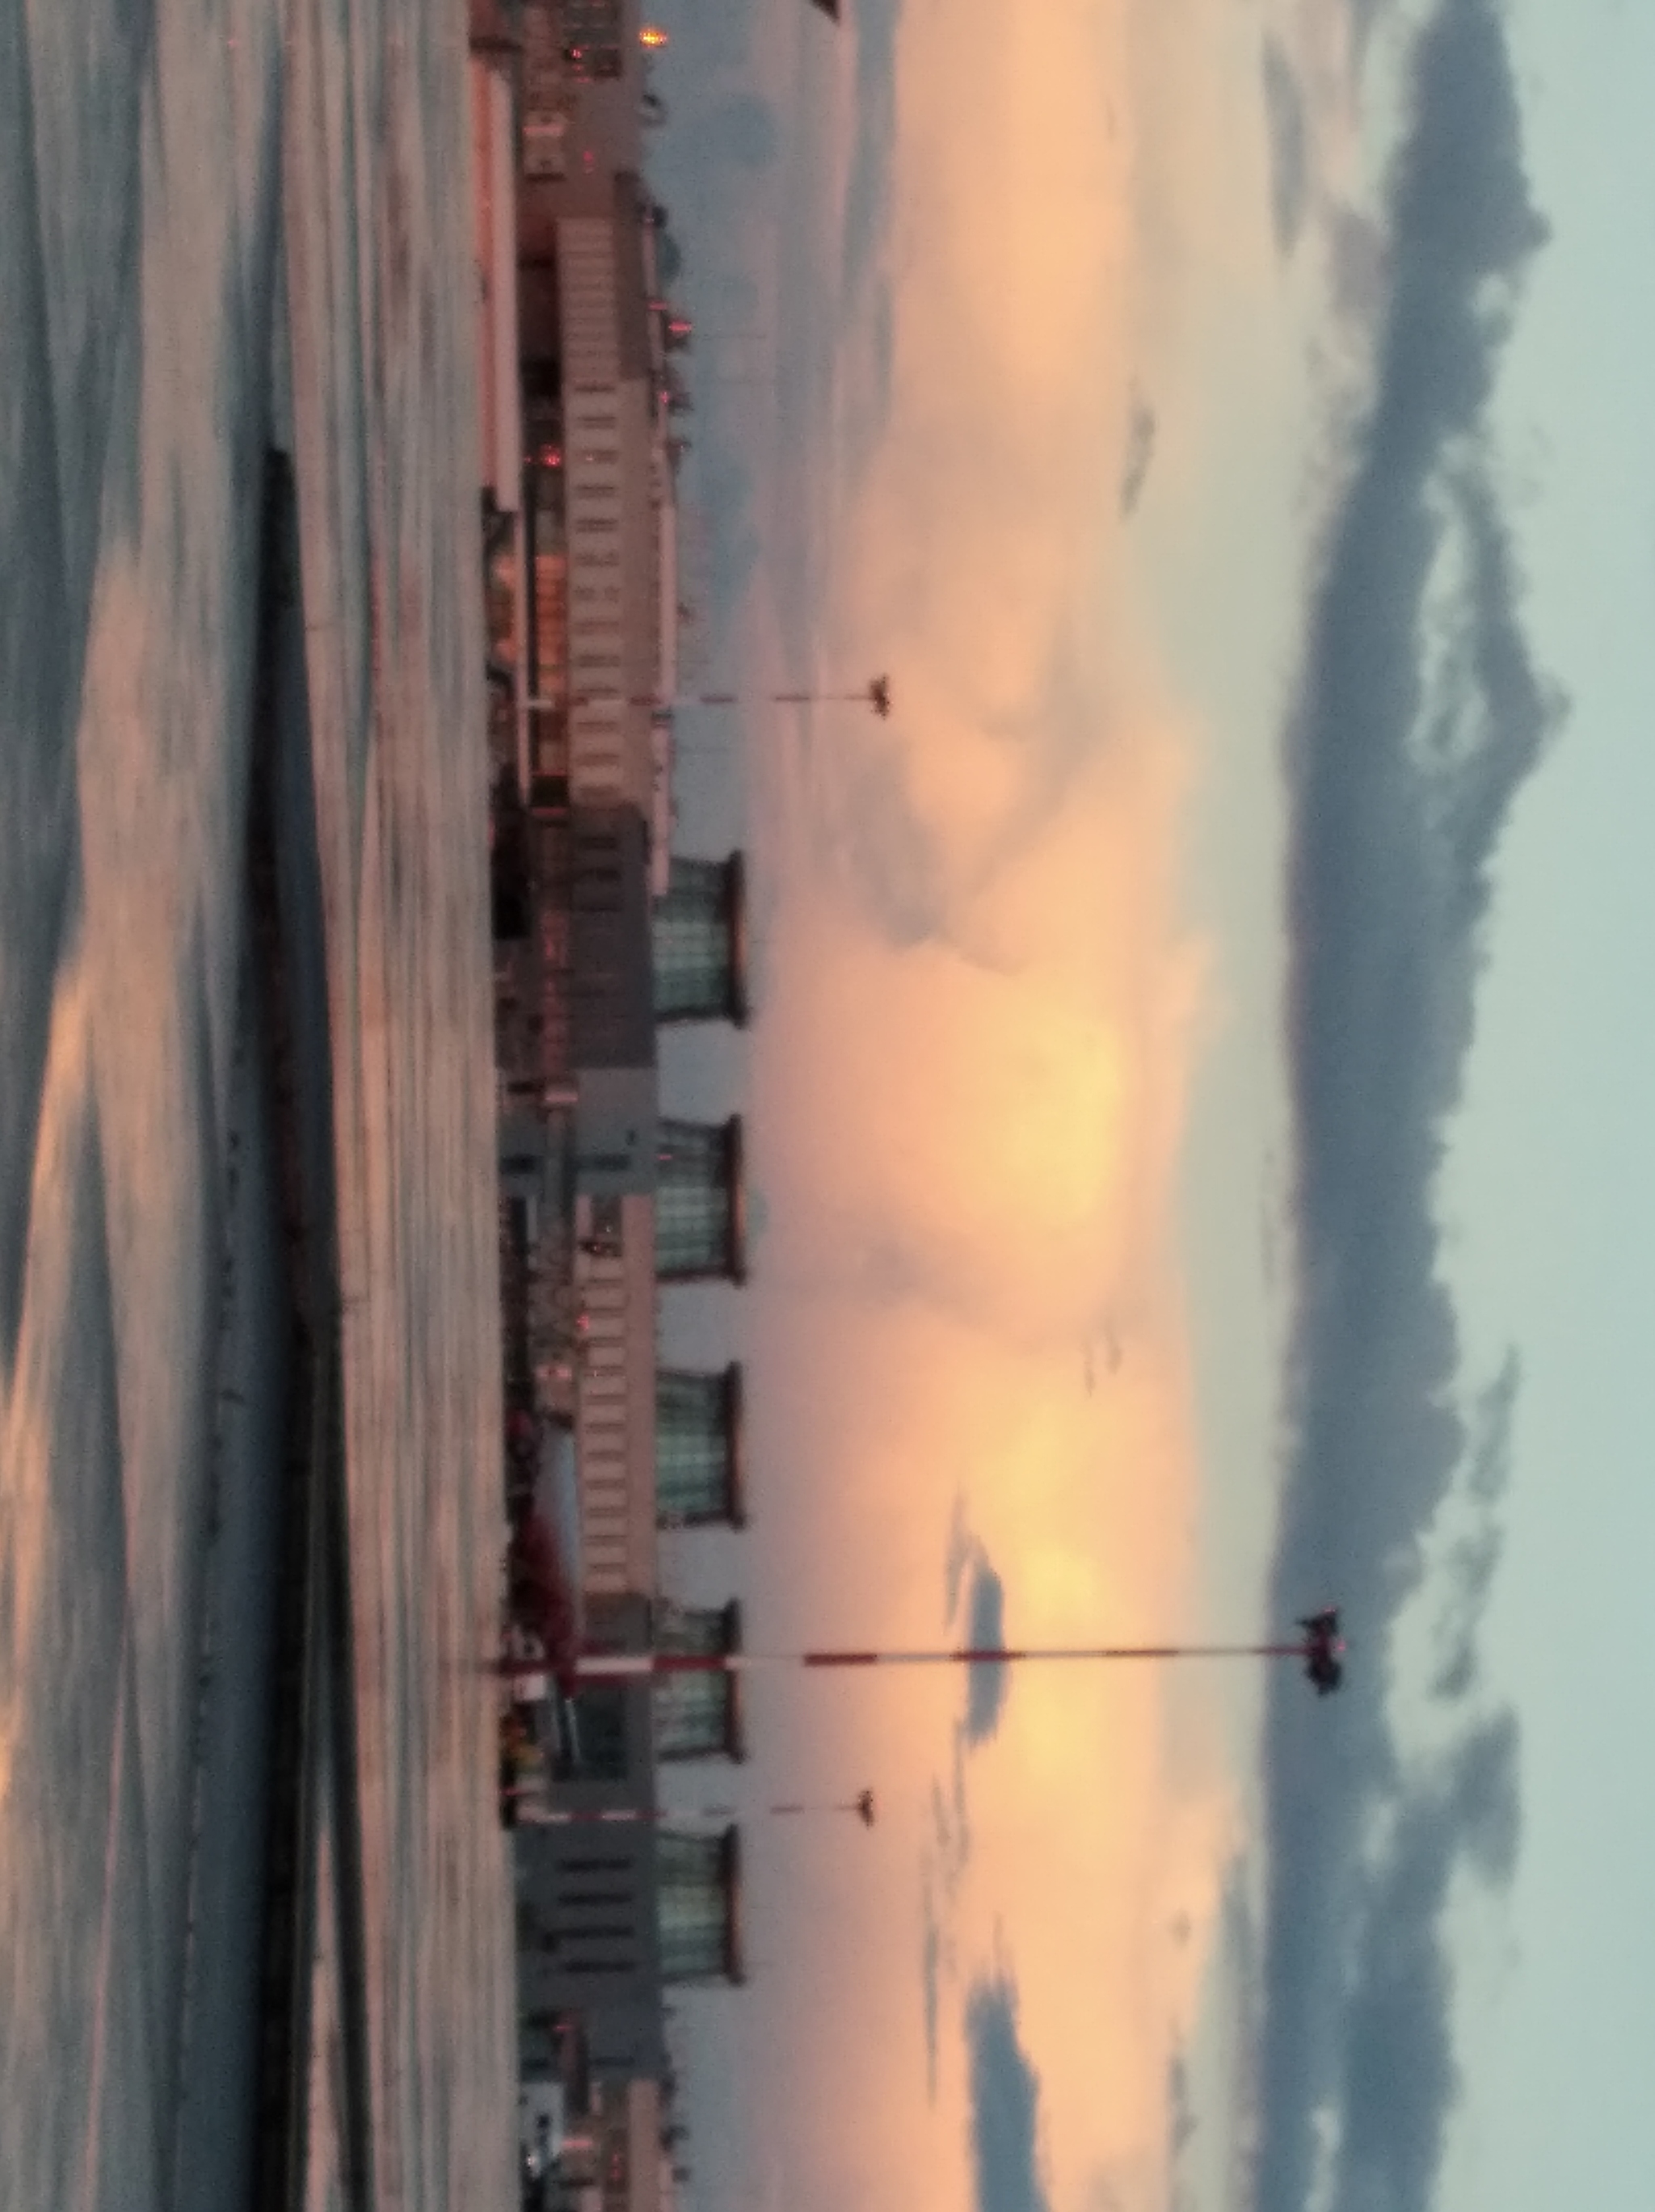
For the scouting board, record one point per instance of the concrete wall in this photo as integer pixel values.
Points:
(617, 1128)
(532, 1161)
(588, 1940)
(615, 1397)
(611, 492)
(612, 995)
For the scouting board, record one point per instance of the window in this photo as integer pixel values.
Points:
(694, 1713)
(592, 1745)
(694, 949)
(604, 1239)
(693, 1907)
(692, 1448)
(692, 1224)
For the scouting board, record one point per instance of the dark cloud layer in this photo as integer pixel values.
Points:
(1005, 2107)
(747, 133)
(974, 1606)
(1400, 788)
(985, 1631)
(867, 186)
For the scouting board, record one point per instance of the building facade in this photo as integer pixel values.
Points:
(698, 1716)
(699, 928)
(700, 1229)
(615, 1395)
(605, 934)
(698, 1450)
(608, 1917)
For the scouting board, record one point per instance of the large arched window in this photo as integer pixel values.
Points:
(700, 1937)
(697, 1716)
(699, 1228)
(698, 1448)
(700, 943)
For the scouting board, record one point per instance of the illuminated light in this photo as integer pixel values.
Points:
(652, 35)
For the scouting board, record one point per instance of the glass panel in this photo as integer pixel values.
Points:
(691, 1627)
(694, 1908)
(692, 1716)
(691, 1224)
(692, 943)
(592, 1745)
(692, 1200)
(692, 1450)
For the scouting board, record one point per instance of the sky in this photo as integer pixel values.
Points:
(1198, 1096)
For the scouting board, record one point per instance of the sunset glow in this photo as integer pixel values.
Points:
(971, 1082)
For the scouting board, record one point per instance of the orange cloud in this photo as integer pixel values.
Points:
(969, 1084)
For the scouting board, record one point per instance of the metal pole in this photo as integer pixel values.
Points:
(608, 1665)
(627, 1816)
(875, 694)
(1320, 1651)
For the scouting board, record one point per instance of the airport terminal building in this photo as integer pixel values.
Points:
(603, 934)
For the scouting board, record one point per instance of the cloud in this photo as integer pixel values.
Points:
(1397, 2077)
(1139, 452)
(974, 1606)
(974, 1599)
(1284, 118)
(1475, 1547)
(960, 1556)
(931, 1971)
(869, 179)
(985, 1629)
(747, 134)
(948, 1851)
(1419, 715)
(1181, 2125)
(980, 906)
(1005, 2105)
(969, 1083)
(726, 487)
(715, 38)
(726, 156)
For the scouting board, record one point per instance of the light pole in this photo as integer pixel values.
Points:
(1319, 1649)
(875, 695)
(861, 1808)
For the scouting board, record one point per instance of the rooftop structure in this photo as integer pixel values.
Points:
(610, 1915)
(587, 1941)
(585, 72)
(698, 1716)
(700, 1907)
(700, 1217)
(588, 1944)
(593, 494)
(700, 934)
(699, 1455)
